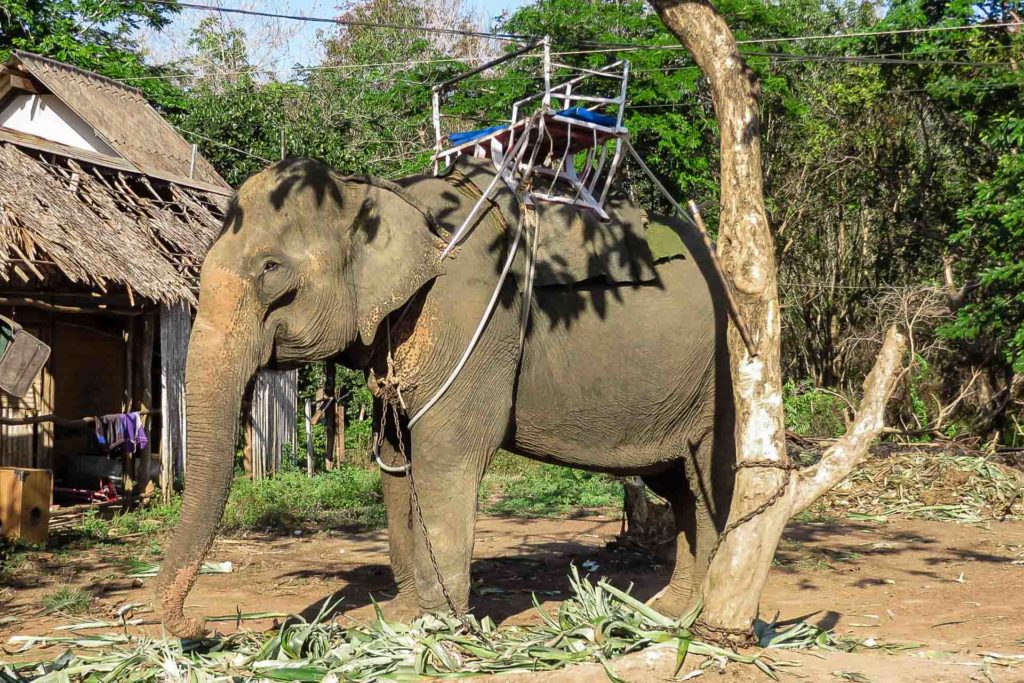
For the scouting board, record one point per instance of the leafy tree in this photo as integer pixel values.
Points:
(991, 241)
(91, 34)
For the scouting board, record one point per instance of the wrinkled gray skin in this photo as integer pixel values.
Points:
(622, 379)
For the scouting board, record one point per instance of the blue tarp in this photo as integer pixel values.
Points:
(584, 114)
(460, 138)
(580, 113)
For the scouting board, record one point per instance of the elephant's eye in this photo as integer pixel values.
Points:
(271, 266)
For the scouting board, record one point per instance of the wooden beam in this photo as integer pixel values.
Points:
(62, 308)
(128, 459)
(25, 83)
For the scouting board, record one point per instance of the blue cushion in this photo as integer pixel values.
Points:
(584, 114)
(460, 138)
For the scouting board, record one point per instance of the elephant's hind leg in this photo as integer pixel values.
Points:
(682, 589)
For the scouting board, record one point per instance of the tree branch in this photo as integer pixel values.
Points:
(840, 459)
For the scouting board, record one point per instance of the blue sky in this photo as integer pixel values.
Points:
(293, 42)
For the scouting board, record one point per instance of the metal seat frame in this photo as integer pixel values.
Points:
(555, 178)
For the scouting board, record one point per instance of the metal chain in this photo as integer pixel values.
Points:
(418, 511)
(719, 635)
(745, 633)
(772, 499)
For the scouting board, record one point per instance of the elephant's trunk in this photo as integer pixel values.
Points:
(223, 354)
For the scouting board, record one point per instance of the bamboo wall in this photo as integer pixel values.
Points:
(273, 427)
(175, 328)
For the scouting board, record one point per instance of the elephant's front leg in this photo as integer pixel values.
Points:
(444, 507)
(448, 462)
(404, 606)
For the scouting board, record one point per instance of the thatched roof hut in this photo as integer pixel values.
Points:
(92, 174)
(106, 213)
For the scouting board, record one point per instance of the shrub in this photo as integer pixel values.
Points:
(811, 411)
(67, 600)
(290, 497)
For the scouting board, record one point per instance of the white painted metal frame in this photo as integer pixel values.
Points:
(587, 187)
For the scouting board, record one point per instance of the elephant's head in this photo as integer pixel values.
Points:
(308, 265)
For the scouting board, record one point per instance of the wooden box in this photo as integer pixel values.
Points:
(25, 496)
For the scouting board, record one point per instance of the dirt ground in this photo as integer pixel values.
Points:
(956, 590)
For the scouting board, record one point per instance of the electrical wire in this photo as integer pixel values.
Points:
(601, 46)
(338, 21)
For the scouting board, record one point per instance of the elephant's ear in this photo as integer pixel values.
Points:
(394, 254)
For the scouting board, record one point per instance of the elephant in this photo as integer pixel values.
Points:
(625, 378)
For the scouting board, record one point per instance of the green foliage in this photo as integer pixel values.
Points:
(358, 437)
(67, 600)
(917, 402)
(524, 488)
(94, 527)
(92, 34)
(811, 411)
(290, 498)
(148, 519)
(992, 240)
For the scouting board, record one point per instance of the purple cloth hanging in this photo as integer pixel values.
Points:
(129, 428)
(141, 440)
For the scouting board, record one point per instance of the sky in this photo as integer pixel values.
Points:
(277, 44)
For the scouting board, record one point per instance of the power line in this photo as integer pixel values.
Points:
(337, 21)
(221, 144)
(865, 59)
(879, 58)
(892, 32)
(635, 47)
(600, 47)
(303, 69)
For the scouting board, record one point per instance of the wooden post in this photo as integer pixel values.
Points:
(175, 327)
(339, 439)
(330, 399)
(247, 464)
(143, 390)
(307, 410)
(127, 459)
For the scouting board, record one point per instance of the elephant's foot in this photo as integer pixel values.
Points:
(401, 608)
(673, 602)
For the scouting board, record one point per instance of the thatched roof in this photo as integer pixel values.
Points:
(99, 225)
(120, 116)
(135, 220)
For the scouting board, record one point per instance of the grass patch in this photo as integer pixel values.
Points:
(518, 487)
(67, 600)
(352, 497)
(349, 495)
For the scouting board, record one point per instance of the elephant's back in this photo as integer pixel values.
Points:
(619, 376)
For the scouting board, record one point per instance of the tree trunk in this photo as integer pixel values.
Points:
(634, 503)
(766, 496)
